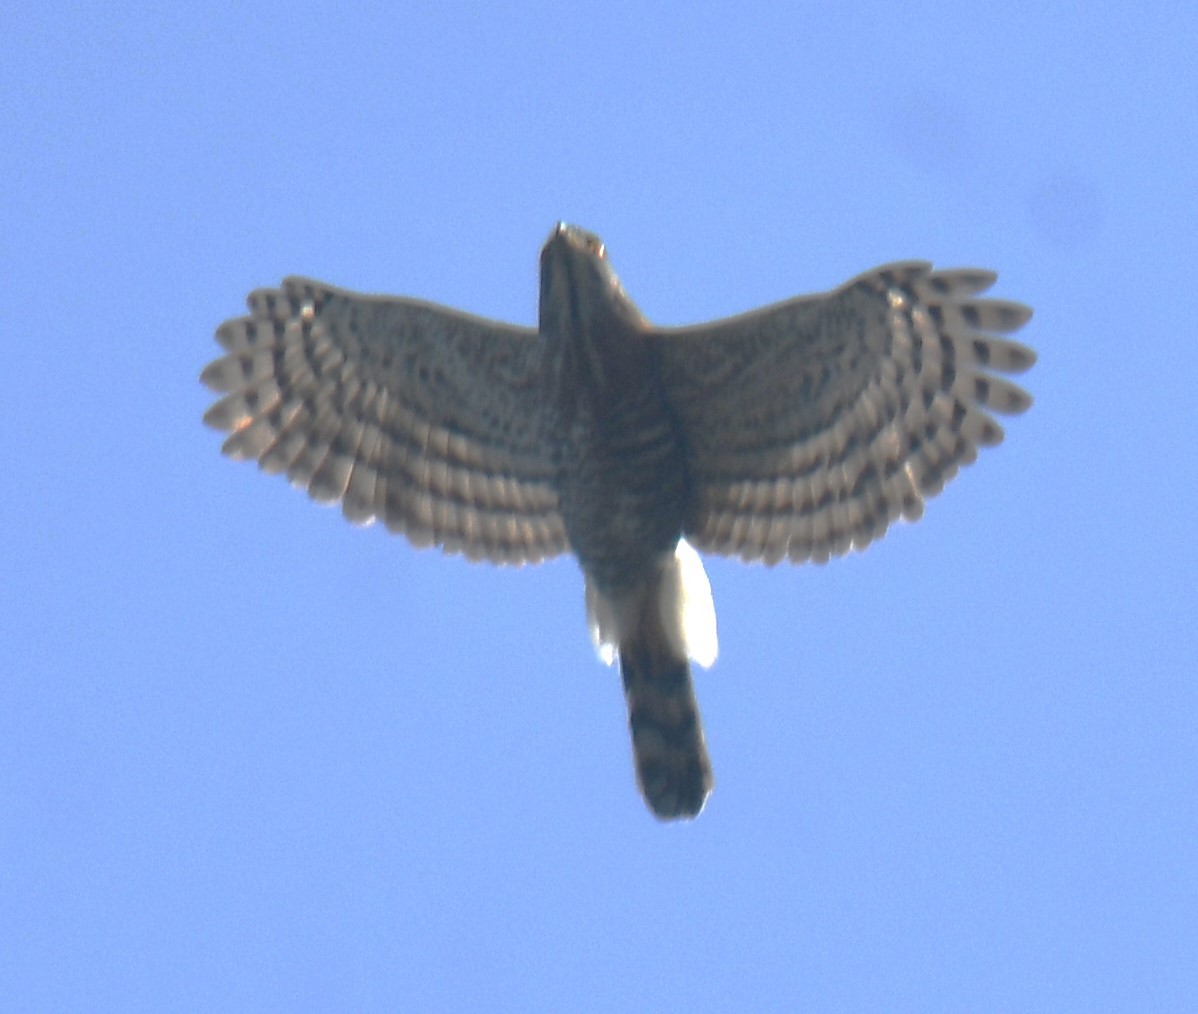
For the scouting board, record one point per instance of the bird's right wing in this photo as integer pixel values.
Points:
(428, 419)
(814, 423)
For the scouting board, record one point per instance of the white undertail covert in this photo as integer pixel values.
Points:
(686, 607)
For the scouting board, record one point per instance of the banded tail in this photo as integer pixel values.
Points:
(655, 632)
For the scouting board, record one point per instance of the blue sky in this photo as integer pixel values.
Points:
(254, 758)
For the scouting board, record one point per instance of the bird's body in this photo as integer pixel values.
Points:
(622, 482)
(797, 431)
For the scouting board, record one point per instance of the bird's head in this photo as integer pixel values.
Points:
(578, 286)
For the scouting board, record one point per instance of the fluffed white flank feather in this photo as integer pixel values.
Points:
(602, 623)
(687, 608)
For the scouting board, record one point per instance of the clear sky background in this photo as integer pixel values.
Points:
(254, 758)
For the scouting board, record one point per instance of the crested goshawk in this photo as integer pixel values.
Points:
(794, 432)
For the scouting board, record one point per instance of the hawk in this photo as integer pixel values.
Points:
(794, 432)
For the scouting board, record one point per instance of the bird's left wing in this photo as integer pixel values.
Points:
(814, 423)
(430, 420)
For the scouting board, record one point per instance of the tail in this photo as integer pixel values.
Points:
(672, 766)
(654, 632)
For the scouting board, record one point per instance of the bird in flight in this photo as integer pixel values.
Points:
(796, 432)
